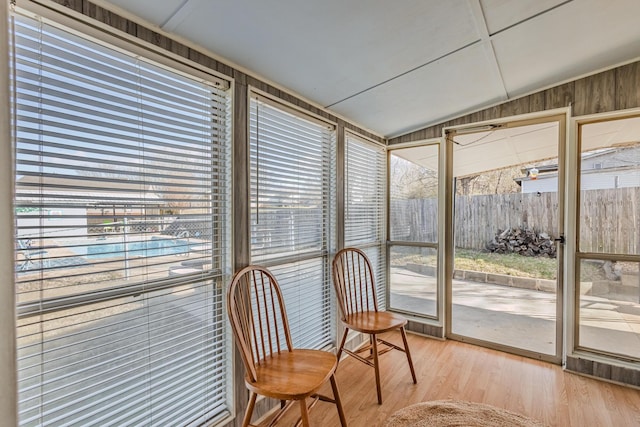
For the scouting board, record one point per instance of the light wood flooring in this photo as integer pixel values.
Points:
(454, 370)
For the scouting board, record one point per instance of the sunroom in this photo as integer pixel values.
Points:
(485, 155)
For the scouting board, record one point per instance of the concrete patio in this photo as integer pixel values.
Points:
(523, 318)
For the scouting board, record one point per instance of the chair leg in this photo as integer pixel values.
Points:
(376, 366)
(304, 411)
(249, 412)
(406, 350)
(344, 339)
(371, 338)
(336, 397)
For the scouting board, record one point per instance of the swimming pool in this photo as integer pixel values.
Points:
(156, 246)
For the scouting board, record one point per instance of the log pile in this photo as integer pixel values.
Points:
(523, 241)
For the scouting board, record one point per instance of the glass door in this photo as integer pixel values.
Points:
(507, 229)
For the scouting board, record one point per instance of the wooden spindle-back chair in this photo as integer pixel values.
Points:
(273, 367)
(354, 283)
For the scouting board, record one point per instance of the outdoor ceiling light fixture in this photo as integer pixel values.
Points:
(533, 173)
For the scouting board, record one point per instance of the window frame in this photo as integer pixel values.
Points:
(574, 251)
(329, 217)
(381, 228)
(437, 246)
(148, 53)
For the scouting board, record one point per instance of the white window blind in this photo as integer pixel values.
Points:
(292, 213)
(122, 235)
(365, 204)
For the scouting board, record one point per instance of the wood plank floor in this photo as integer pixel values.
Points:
(454, 370)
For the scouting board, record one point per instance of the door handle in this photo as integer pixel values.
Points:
(560, 239)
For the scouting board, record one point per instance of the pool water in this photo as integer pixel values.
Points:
(146, 248)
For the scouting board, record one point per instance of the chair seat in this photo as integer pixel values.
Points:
(374, 322)
(293, 375)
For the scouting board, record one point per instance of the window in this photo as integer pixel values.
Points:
(413, 229)
(292, 213)
(122, 240)
(608, 253)
(365, 204)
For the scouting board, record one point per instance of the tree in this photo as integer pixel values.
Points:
(411, 181)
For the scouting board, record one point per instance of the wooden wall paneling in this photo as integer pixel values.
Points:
(273, 91)
(602, 370)
(415, 327)
(459, 121)
(240, 78)
(434, 331)
(107, 17)
(77, 5)
(404, 138)
(595, 94)
(559, 96)
(436, 132)
(241, 228)
(421, 134)
(340, 190)
(628, 86)
(536, 102)
(173, 46)
(206, 61)
(225, 69)
(516, 107)
(369, 135)
(624, 375)
(476, 117)
(240, 177)
(492, 113)
(618, 374)
(505, 110)
(257, 84)
(150, 36)
(287, 97)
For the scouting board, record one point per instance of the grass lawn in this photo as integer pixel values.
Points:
(487, 262)
(509, 264)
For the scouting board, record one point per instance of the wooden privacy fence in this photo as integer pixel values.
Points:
(479, 218)
(609, 223)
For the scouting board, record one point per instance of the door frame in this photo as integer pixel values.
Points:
(562, 116)
(436, 322)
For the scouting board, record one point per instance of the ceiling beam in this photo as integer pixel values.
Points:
(181, 12)
(483, 32)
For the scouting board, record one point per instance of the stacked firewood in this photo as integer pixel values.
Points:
(523, 241)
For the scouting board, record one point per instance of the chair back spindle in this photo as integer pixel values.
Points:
(258, 316)
(354, 282)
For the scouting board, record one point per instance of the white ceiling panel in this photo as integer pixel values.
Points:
(329, 50)
(153, 11)
(425, 95)
(394, 66)
(575, 39)
(500, 14)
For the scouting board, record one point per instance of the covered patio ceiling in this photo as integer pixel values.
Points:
(497, 148)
